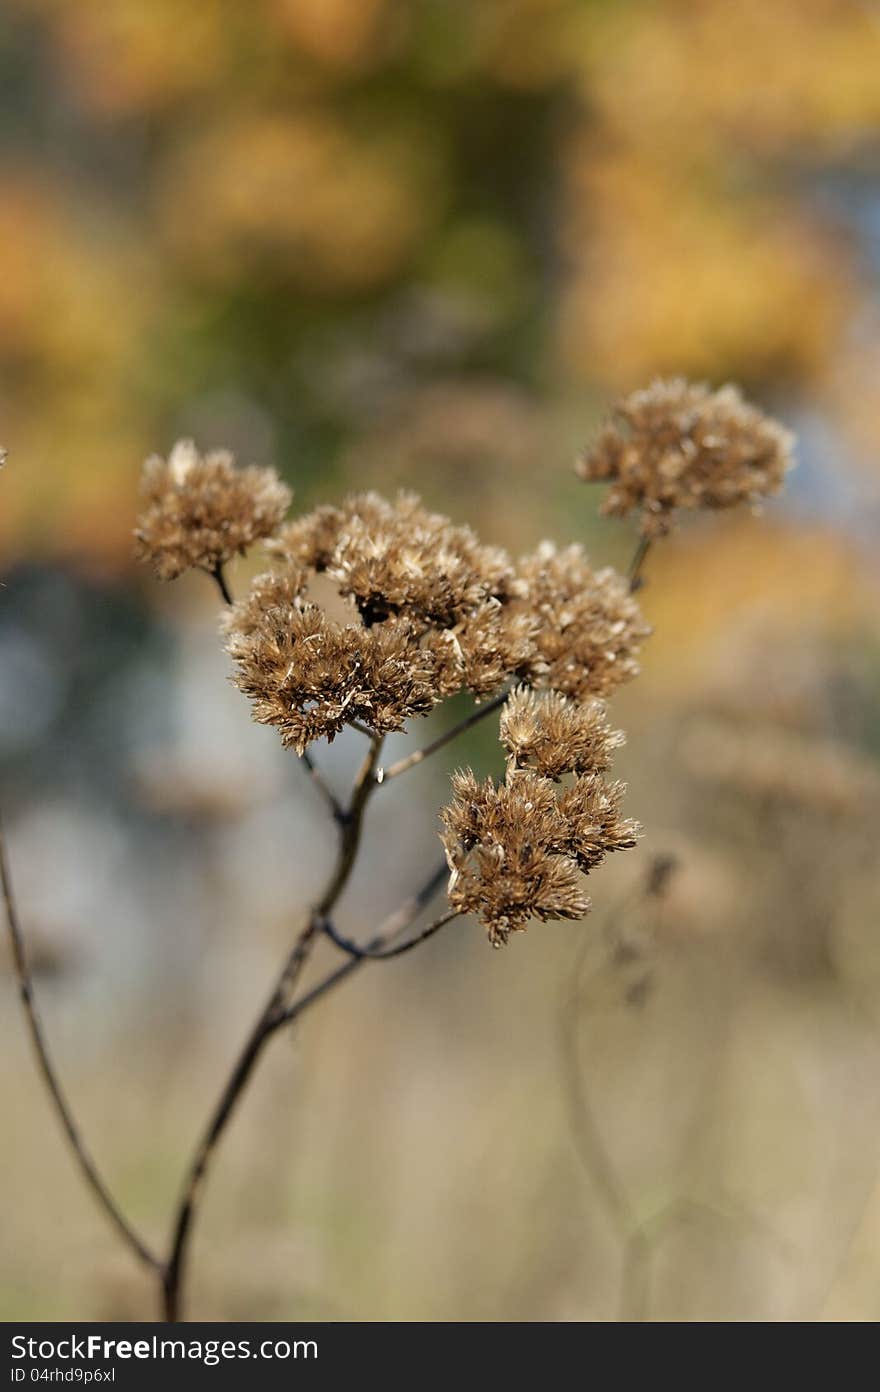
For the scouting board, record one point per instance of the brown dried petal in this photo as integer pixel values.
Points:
(589, 627)
(200, 511)
(678, 444)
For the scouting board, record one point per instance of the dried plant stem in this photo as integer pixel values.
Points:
(398, 922)
(634, 573)
(219, 575)
(351, 825)
(410, 760)
(382, 954)
(269, 1019)
(317, 777)
(47, 1069)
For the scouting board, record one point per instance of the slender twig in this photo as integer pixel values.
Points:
(320, 782)
(47, 1069)
(634, 574)
(398, 922)
(219, 575)
(383, 954)
(271, 1016)
(410, 760)
(351, 825)
(232, 1091)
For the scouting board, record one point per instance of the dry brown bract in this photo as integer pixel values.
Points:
(519, 850)
(589, 628)
(200, 511)
(432, 611)
(309, 676)
(461, 615)
(554, 736)
(677, 444)
(398, 558)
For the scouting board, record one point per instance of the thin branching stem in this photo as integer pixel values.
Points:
(218, 574)
(336, 809)
(383, 954)
(351, 825)
(410, 760)
(83, 1158)
(398, 922)
(634, 574)
(270, 1017)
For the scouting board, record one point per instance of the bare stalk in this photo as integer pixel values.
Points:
(410, 760)
(398, 922)
(270, 1017)
(336, 809)
(59, 1101)
(218, 574)
(634, 574)
(382, 954)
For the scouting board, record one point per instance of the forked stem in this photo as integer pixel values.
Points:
(634, 574)
(410, 760)
(269, 1019)
(383, 954)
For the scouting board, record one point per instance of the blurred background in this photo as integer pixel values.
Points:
(424, 244)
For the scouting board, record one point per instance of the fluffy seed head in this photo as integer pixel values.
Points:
(589, 628)
(677, 444)
(200, 510)
(309, 676)
(519, 849)
(398, 558)
(554, 736)
(501, 844)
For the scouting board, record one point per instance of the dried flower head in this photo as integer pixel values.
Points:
(589, 628)
(677, 444)
(200, 510)
(502, 847)
(398, 558)
(555, 736)
(467, 618)
(432, 611)
(309, 675)
(519, 849)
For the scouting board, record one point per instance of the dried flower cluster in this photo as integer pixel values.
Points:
(677, 444)
(589, 628)
(432, 611)
(554, 736)
(200, 510)
(520, 849)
